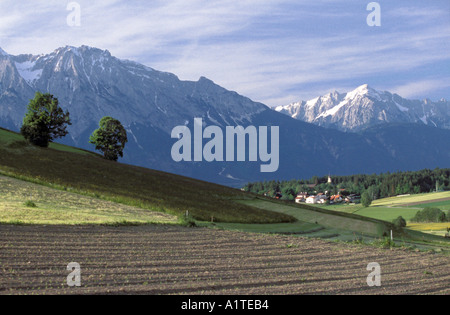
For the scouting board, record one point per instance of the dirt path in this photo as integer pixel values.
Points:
(176, 260)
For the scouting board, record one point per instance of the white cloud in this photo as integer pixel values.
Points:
(267, 50)
(418, 88)
(271, 70)
(429, 13)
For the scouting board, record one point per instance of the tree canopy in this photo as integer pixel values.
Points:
(110, 138)
(366, 199)
(430, 214)
(45, 120)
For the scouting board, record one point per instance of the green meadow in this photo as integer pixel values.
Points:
(388, 214)
(23, 202)
(388, 209)
(410, 200)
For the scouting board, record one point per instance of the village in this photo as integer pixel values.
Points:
(325, 197)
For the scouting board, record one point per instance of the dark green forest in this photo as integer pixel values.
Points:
(377, 185)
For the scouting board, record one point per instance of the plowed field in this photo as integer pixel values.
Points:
(177, 260)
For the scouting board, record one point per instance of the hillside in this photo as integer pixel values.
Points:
(73, 170)
(87, 173)
(72, 186)
(23, 202)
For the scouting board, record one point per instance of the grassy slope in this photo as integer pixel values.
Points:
(314, 222)
(388, 209)
(405, 200)
(349, 227)
(55, 207)
(326, 218)
(387, 214)
(84, 172)
(10, 140)
(339, 226)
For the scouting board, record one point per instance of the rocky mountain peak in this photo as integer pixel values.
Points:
(364, 107)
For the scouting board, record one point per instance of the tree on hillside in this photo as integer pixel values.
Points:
(366, 199)
(428, 214)
(110, 138)
(44, 121)
(400, 222)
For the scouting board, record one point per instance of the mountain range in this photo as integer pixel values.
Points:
(91, 83)
(366, 107)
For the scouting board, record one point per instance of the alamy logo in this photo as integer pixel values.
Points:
(374, 278)
(236, 145)
(374, 18)
(74, 278)
(74, 17)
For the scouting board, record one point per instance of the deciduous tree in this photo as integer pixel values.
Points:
(366, 199)
(44, 121)
(110, 138)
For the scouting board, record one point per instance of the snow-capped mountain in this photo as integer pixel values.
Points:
(365, 107)
(91, 83)
(125, 89)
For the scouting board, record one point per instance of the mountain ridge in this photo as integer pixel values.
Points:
(365, 106)
(91, 83)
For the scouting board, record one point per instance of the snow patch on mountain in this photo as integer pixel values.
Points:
(401, 108)
(312, 102)
(28, 72)
(334, 110)
(424, 119)
(364, 91)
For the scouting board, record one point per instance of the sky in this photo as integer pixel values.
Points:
(274, 52)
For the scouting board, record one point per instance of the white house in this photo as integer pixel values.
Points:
(301, 197)
(322, 198)
(312, 199)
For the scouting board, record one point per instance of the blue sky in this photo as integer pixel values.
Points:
(275, 52)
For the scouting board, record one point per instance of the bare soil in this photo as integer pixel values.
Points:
(176, 260)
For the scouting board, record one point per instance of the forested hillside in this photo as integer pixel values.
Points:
(378, 185)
